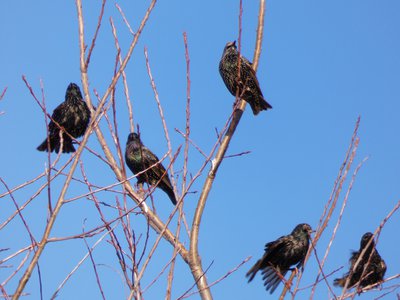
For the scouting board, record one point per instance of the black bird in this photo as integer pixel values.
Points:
(364, 274)
(139, 158)
(249, 88)
(73, 116)
(280, 255)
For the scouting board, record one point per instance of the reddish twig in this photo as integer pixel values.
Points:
(89, 55)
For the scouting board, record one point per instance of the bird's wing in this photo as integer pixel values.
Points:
(254, 269)
(148, 158)
(378, 264)
(250, 73)
(382, 267)
(58, 112)
(272, 277)
(58, 117)
(354, 275)
(354, 257)
(276, 255)
(264, 264)
(275, 247)
(151, 159)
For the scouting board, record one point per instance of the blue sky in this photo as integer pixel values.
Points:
(323, 64)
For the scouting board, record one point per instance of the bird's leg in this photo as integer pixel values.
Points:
(359, 290)
(296, 270)
(141, 190)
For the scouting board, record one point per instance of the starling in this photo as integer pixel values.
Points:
(280, 255)
(365, 273)
(249, 88)
(73, 116)
(139, 158)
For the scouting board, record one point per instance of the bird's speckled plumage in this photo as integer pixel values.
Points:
(364, 274)
(249, 88)
(139, 158)
(73, 116)
(280, 255)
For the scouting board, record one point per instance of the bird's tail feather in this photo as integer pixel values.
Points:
(44, 147)
(67, 146)
(169, 191)
(55, 145)
(259, 105)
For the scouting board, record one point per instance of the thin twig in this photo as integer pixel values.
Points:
(89, 55)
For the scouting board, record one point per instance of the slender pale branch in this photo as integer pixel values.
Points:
(194, 258)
